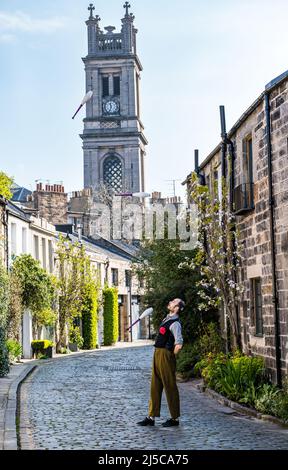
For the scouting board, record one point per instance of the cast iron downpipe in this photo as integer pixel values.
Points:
(227, 142)
(196, 167)
(275, 299)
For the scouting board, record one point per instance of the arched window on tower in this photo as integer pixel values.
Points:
(112, 173)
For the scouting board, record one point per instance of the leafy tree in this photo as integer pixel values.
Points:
(168, 274)
(71, 281)
(38, 289)
(5, 185)
(15, 309)
(4, 299)
(219, 255)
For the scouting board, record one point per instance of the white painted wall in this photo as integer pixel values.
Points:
(27, 335)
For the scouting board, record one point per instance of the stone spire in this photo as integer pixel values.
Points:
(127, 6)
(128, 30)
(91, 8)
(93, 29)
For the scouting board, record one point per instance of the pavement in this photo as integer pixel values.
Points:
(8, 404)
(9, 386)
(94, 400)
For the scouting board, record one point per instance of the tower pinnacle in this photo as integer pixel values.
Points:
(127, 6)
(91, 8)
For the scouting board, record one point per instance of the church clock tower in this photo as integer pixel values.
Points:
(113, 139)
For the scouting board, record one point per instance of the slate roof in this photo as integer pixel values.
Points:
(20, 193)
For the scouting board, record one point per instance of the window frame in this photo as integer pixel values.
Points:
(106, 86)
(116, 77)
(247, 164)
(256, 306)
(115, 277)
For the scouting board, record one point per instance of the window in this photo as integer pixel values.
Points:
(114, 273)
(138, 95)
(112, 173)
(247, 160)
(243, 196)
(105, 86)
(98, 269)
(50, 254)
(36, 246)
(116, 86)
(256, 306)
(127, 278)
(44, 264)
(141, 281)
(207, 181)
(24, 240)
(247, 171)
(13, 239)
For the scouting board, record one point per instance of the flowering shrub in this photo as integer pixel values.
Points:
(237, 377)
(14, 349)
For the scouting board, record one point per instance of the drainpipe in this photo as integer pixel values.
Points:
(197, 169)
(224, 141)
(275, 299)
(227, 142)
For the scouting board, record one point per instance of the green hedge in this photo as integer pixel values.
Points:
(110, 314)
(41, 344)
(89, 317)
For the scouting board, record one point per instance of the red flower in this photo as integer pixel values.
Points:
(162, 330)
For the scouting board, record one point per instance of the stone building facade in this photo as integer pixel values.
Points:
(49, 202)
(112, 261)
(113, 138)
(259, 193)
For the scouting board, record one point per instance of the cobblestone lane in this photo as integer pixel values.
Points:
(93, 401)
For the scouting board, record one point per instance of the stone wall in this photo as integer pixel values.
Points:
(50, 202)
(254, 225)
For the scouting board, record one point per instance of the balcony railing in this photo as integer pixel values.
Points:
(108, 44)
(243, 198)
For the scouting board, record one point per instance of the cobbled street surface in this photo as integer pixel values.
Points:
(93, 401)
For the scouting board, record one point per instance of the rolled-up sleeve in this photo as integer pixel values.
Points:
(176, 329)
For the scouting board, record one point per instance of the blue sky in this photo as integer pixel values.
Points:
(196, 55)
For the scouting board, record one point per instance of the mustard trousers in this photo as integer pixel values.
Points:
(164, 376)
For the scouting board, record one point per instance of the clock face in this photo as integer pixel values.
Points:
(111, 107)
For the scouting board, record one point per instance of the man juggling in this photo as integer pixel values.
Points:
(168, 343)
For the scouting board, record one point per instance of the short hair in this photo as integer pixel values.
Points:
(181, 305)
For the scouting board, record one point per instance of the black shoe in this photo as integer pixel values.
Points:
(146, 422)
(170, 422)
